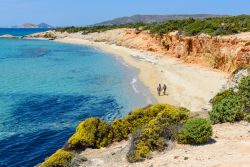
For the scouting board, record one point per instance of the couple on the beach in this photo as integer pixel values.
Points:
(159, 89)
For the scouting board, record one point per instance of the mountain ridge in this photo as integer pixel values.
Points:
(154, 18)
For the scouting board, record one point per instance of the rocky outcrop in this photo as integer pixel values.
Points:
(9, 36)
(225, 53)
(51, 35)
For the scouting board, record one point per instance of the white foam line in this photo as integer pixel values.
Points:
(132, 83)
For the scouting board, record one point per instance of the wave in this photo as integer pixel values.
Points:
(133, 84)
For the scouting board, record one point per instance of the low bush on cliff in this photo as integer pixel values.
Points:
(195, 131)
(228, 109)
(222, 95)
(121, 129)
(93, 133)
(230, 106)
(59, 159)
(155, 135)
(244, 93)
(247, 118)
(151, 129)
(136, 120)
(154, 125)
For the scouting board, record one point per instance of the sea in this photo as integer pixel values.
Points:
(47, 88)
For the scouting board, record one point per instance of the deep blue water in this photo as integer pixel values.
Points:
(21, 31)
(47, 88)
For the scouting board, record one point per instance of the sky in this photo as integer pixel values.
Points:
(86, 12)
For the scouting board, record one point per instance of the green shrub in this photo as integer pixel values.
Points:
(104, 135)
(151, 128)
(136, 120)
(121, 129)
(146, 140)
(59, 159)
(244, 93)
(154, 136)
(140, 117)
(230, 106)
(244, 86)
(195, 131)
(228, 109)
(247, 118)
(93, 133)
(221, 95)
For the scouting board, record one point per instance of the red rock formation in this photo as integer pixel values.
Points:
(222, 53)
(225, 53)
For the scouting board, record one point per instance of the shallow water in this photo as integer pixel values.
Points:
(47, 88)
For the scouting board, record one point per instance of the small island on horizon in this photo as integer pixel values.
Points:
(31, 25)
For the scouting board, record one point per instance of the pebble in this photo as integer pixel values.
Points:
(175, 157)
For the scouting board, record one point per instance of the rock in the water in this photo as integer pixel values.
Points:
(8, 36)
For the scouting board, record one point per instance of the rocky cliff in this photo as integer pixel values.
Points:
(225, 53)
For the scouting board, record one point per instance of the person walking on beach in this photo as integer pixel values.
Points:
(159, 89)
(164, 89)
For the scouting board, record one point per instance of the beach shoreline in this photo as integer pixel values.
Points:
(183, 91)
(150, 76)
(189, 85)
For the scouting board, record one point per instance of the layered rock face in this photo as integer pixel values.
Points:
(225, 53)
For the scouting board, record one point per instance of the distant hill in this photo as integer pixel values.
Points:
(153, 18)
(31, 25)
(44, 25)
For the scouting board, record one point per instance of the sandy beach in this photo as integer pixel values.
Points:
(189, 86)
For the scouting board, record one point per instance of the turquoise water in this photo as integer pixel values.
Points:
(21, 31)
(47, 88)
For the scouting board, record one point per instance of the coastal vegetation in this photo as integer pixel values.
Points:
(101, 28)
(150, 129)
(60, 159)
(233, 104)
(195, 131)
(154, 127)
(155, 135)
(91, 133)
(212, 26)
